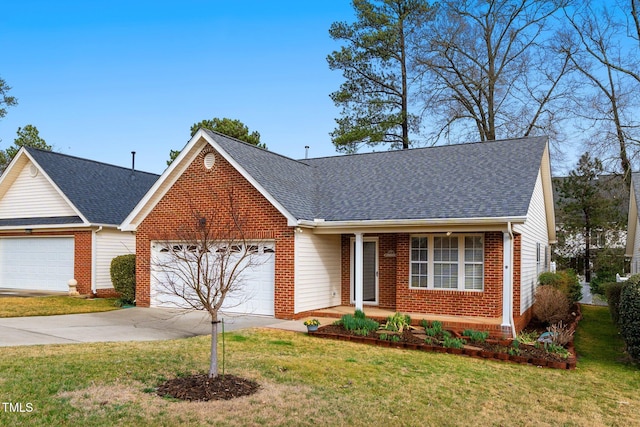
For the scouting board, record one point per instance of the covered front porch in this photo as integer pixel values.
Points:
(384, 271)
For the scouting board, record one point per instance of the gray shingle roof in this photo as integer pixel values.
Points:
(290, 182)
(478, 180)
(104, 194)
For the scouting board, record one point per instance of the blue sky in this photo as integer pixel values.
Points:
(101, 79)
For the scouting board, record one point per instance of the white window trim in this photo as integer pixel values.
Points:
(461, 262)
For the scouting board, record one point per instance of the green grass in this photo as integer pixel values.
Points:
(51, 305)
(308, 381)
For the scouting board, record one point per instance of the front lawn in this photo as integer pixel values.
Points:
(310, 381)
(50, 305)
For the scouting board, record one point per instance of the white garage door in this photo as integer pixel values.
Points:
(36, 263)
(254, 295)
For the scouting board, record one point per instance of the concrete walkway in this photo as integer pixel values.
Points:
(129, 324)
(588, 298)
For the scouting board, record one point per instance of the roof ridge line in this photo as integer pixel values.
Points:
(88, 160)
(459, 144)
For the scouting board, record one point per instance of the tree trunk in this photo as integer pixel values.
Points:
(405, 104)
(213, 362)
(587, 255)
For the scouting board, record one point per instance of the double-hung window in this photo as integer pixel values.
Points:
(445, 262)
(419, 262)
(454, 262)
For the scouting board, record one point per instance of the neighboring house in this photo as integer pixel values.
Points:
(58, 220)
(633, 224)
(452, 232)
(570, 249)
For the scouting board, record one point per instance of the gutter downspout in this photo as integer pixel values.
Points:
(94, 259)
(513, 323)
(507, 281)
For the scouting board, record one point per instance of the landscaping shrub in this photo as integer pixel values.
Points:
(561, 334)
(358, 323)
(123, 277)
(629, 315)
(551, 305)
(565, 281)
(453, 342)
(475, 336)
(612, 291)
(598, 284)
(398, 322)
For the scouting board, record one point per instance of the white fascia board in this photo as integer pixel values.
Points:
(177, 168)
(547, 190)
(445, 224)
(291, 220)
(53, 184)
(49, 227)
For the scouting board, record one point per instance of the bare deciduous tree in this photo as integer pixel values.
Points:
(202, 265)
(490, 70)
(604, 45)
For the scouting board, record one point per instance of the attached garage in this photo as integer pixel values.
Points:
(59, 218)
(36, 263)
(255, 293)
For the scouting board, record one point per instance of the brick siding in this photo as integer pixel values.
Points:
(395, 294)
(195, 190)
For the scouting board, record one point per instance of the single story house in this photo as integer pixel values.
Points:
(59, 218)
(455, 232)
(633, 225)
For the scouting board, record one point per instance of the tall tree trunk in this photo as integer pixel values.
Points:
(405, 104)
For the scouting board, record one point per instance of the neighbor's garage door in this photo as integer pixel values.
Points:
(36, 263)
(256, 290)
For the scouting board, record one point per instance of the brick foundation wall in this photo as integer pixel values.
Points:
(208, 191)
(107, 293)
(82, 253)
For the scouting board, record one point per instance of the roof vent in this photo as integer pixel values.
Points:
(209, 160)
(33, 170)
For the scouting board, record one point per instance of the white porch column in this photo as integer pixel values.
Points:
(507, 282)
(358, 276)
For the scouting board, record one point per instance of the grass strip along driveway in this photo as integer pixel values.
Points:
(52, 305)
(307, 381)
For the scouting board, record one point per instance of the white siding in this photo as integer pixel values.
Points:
(109, 244)
(534, 232)
(317, 271)
(33, 196)
(635, 259)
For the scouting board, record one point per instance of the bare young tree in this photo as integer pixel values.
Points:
(490, 70)
(203, 264)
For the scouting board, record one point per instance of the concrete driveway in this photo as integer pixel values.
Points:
(129, 324)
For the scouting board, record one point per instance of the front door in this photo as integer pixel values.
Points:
(369, 271)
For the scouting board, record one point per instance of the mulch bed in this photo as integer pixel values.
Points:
(202, 388)
(491, 349)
